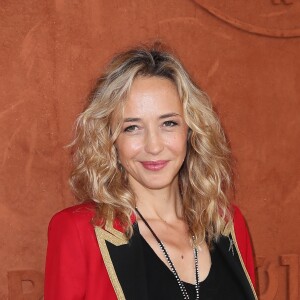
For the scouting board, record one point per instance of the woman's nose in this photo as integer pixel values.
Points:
(153, 142)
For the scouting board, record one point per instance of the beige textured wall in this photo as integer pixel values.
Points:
(245, 54)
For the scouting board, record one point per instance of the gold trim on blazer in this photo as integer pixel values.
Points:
(117, 238)
(242, 262)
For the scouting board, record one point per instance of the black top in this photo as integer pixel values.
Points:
(220, 283)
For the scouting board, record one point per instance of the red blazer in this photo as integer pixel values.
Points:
(93, 263)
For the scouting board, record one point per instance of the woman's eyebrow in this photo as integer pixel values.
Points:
(132, 119)
(169, 115)
(160, 117)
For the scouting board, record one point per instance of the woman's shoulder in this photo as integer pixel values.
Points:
(244, 242)
(239, 222)
(240, 227)
(83, 215)
(73, 226)
(77, 214)
(78, 210)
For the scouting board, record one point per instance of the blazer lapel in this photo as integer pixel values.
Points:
(228, 249)
(124, 262)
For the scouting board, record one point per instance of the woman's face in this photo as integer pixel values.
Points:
(153, 140)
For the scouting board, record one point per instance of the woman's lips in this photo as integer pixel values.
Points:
(154, 165)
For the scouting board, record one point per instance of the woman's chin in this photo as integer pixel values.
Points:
(157, 183)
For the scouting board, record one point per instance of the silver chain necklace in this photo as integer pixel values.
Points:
(171, 265)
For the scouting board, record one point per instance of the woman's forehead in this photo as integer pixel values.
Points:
(152, 96)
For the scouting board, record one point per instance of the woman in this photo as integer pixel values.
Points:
(152, 166)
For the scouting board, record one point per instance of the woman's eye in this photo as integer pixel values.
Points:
(170, 123)
(131, 128)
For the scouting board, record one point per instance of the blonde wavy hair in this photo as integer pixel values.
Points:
(205, 174)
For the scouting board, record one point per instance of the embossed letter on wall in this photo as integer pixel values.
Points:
(269, 282)
(25, 285)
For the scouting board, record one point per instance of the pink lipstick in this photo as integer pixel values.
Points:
(154, 165)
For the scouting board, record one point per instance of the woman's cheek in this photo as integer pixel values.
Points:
(130, 146)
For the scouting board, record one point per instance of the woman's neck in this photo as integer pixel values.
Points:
(164, 204)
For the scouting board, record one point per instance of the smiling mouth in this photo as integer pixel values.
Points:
(154, 165)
